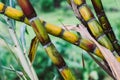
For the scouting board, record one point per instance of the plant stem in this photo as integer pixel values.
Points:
(44, 39)
(54, 30)
(97, 4)
(93, 25)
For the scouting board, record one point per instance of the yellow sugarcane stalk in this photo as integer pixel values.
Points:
(44, 39)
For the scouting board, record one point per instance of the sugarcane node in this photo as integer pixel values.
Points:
(80, 6)
(43, 23)
(47, 44)
(3, 9)
(41, 38)
(82, 20)
(107, 31)
(61, 64)
(61, 33)
(85, 24)
(90, 20)
(92, 48)
(77, 43)
(110, 30)
(100, 36)
(22, 18)
(62, 68)
(99, 15)
(33, 19)
(27, 8)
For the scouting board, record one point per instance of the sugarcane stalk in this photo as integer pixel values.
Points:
(97, 4)
(44, 39)
(65, 70)
(93, 25)
(54, 30)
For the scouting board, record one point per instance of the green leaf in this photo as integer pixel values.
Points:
(2, 20)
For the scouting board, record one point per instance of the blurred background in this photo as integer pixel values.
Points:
(58, 12)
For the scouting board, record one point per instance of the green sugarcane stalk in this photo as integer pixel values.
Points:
(93, 25)
(44, 39)
(97, 4)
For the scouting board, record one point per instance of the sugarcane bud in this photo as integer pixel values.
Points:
(27, 8)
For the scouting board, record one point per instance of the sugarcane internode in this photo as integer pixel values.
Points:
(27, 8)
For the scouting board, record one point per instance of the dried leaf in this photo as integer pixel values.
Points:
(33, 48)
(111, 60)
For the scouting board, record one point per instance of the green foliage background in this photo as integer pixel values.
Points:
(72, 54)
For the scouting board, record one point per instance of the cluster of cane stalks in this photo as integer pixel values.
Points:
(104, 37)
(97, 4)
(102, 32)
